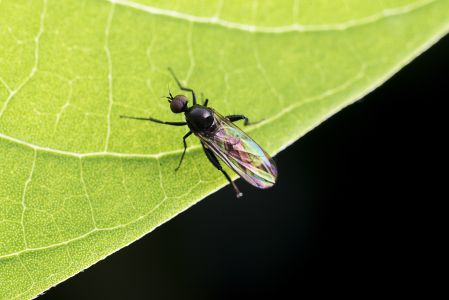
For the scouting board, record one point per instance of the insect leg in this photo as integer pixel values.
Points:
(234, 118)
(155, 121)
(205, 101)
(183, 87)
(185, 149)
(213, 159)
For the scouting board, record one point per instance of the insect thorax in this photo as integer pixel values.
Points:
(200, 118)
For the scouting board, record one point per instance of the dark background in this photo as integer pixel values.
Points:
(357, 210)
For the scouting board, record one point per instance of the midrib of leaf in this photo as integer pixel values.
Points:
(340, 96)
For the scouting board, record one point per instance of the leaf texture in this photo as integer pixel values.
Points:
(77, 183)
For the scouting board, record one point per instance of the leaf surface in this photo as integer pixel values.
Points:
(78, 183)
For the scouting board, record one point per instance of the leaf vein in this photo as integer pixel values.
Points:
(36, 61)
(109, 78)
(295, 27)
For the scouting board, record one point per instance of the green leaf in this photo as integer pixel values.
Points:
(78, 183)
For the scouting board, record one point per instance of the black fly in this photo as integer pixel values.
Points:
(220, 137)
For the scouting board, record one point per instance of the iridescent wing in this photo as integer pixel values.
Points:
(241, 153)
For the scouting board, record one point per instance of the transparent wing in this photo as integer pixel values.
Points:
(241, 153)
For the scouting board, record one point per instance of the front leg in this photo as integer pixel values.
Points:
(185, 148)
(184, 88)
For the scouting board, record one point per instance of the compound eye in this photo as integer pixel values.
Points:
(178, 104)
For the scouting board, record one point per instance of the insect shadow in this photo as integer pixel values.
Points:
(220, 137)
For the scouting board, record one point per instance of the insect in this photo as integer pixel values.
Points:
(220, 137)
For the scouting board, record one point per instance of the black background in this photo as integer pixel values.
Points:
(357, 210)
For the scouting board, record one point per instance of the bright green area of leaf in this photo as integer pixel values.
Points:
(78, 183)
